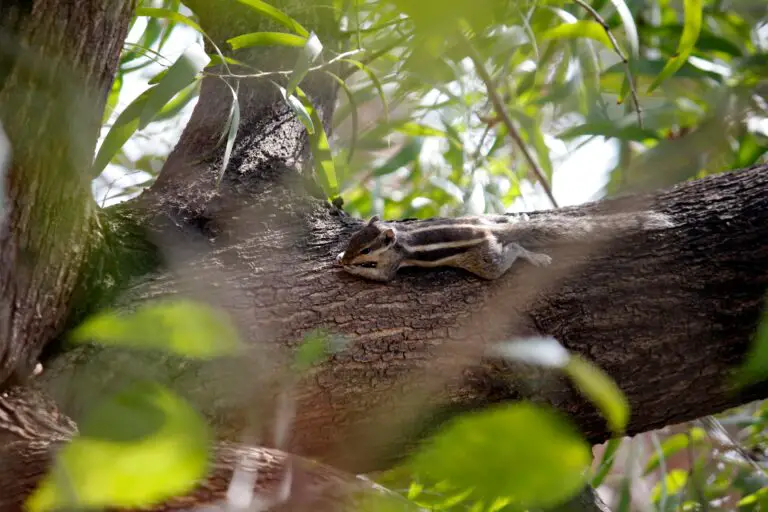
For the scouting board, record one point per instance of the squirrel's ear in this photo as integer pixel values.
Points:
(389, 235)
(373, 220)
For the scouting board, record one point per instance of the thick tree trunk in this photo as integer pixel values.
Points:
(57, 62)
(668, 314)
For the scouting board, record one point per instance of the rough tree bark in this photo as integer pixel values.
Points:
(668, 314)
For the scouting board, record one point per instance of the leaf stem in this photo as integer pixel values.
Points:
(501, 111)
(632, 88)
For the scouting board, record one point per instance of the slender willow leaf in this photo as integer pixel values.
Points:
(674, 444)
(169, 15)
(311, 51)
(376, 83)
(266, 39)
(181, 100)
(407, 154)
(277, 15)
(325, 169)
(233, 124)
(583, 28)
(691, 30)
(182, 73)
(122, 129)
(353, 108)
(609, 457)
(601, 390)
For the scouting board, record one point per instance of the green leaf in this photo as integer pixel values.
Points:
(599, 388)
(182, 73)
(414, 129)
(325, 170)
(758, 498)
(140, 448)
(298, 108)
(353, 107)
(755, 366)
(114, 96)
(231, 128)
(122, 129)
(674, 482)
(610, 129)
(217, 60)
(181, 327)
(674, 444)
(527, 453)
(407, 154)
(277, 15)
(317, 344)
(609, 457)
(578, 29)
(311, 51)
(266, 39)
(181, 100)
(169, 15)
(691, 29)
(630, 29)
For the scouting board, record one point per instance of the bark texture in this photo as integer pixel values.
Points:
(55, 69)
(668, 314)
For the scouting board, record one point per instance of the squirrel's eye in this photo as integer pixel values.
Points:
(366, 250)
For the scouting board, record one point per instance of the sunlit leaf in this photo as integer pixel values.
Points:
(674, 482)
(325, 169)
(277, 15)
(181, 100)
(141, 447)
(114, 95)
(309, 54)
(610, 129)
(541, 461)
(691, 29)
(124, 126)
(182, 327)
(600, 389)
(266, 39)
(420, 130)
(231, 129)
(579, 29)
(674, 444)
(630, 28)
(169, 15)
(182, 73)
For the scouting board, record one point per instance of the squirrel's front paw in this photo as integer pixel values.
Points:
(540, 260)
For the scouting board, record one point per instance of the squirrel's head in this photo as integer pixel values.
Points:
(369, 252)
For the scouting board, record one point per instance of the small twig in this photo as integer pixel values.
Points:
(633, 90)
(267, 74)
(501, 111)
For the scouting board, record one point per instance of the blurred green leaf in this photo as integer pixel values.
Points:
(266, 39)
(182, 73)
(143, 446)
(755, 366)
(325, 170)
(181, 100)
(407, 154)
(114, 95)
(277, 15)
(181, 327)
(610, 129)
(122, 129)
(600, 389)
(674, 444)
(674, 482)
(609, 457)
(579, 29)
(542, 460)
(691, 29)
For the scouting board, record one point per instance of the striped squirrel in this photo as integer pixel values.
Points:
(487, 246)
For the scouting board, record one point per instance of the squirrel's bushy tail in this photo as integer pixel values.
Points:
(548, 229)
